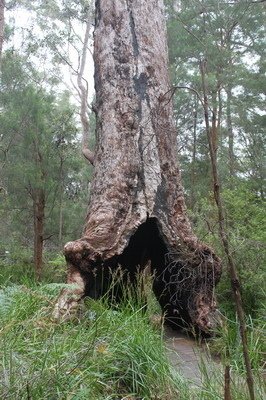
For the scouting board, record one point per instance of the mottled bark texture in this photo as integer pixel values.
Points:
(137, 213)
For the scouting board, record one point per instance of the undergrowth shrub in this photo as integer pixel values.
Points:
(15, 269)
(245, 224)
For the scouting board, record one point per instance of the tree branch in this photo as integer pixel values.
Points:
(88, 154)
(174, 88)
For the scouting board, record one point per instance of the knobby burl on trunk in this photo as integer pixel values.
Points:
(137, 213)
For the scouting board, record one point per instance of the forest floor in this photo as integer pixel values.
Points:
(201, 369)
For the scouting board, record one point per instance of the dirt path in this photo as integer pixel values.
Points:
(199, 368)
(188, 357)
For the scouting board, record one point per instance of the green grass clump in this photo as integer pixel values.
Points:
(109, 354)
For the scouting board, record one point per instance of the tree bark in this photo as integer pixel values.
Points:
(38, 214)
(230, 132)
(2, 26)
(227, 378)
(137, 212)
(194, 149)
(61, 195)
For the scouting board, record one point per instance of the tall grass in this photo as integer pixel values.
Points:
(109, 353)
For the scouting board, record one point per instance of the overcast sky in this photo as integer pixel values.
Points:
(23, 20)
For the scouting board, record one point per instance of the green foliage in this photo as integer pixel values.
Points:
(39, 151)
(222, 34)
(110, 353)
(17, 267)
(228, 345)
(245, 216)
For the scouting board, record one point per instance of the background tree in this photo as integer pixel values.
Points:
(228, 37)
(70, 175)
(38, 131)
(66, 34)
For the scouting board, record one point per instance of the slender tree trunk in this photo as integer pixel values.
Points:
(60, 232)
(230, 132)
(227, 378)
(194, 150)
(223, 233)
(38, 214)
(61, 193)
(88, 154)
(137, 214)
(2, 26)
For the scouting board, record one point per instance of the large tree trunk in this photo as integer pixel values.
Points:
(137, 212)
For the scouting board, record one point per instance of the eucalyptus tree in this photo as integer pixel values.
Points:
(66, 30)
(226, 38)
(137, 214)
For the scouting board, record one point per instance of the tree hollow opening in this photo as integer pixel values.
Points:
(146, 251)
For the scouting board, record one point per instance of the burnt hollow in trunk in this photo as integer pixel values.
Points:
(183, 291)
(146, 249)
